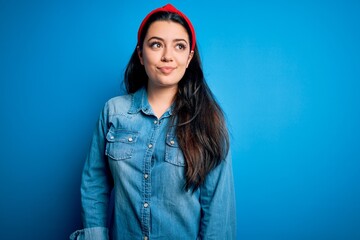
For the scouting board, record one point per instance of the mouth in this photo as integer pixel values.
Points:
(166, 70)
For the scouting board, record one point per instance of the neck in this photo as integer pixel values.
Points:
(160, 99)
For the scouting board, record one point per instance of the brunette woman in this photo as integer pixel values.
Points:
(163, 149)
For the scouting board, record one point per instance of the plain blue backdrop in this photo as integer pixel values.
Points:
(286, 73)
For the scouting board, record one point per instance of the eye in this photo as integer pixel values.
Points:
(180, 46)
(155, 44)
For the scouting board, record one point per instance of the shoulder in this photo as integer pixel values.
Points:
(118, 105)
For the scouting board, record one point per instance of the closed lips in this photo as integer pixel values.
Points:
(166, 70)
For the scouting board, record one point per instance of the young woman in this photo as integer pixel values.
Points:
(162, 149)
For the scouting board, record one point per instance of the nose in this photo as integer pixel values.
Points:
(167, 55)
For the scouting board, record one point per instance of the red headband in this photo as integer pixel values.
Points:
(172, 9)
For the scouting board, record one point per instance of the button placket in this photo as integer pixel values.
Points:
(150, 145)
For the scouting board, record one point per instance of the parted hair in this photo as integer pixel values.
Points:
(199, 121)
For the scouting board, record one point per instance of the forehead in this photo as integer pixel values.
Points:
(168, 30)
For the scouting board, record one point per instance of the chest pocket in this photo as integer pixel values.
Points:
(120, 144)
(173, 153)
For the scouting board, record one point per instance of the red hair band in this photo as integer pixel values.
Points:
(172, 9)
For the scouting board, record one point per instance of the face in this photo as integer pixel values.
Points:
(165, 54)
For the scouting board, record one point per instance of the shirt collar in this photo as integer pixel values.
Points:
(140, 103)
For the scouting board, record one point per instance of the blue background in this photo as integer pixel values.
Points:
(286, 73)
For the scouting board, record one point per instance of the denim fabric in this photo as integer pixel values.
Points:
(137, 155)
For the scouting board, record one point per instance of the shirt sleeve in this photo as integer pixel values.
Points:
(96, 186)
(217, 198)
(90, 233)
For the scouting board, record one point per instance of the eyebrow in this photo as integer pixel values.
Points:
(161, 39)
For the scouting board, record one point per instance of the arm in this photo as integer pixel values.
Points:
(217, 198)
(96, 186)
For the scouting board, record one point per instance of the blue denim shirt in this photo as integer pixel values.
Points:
(136, 155)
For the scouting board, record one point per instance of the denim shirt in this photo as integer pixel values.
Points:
(137, 156)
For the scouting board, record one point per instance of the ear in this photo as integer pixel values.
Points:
(140, 55)
(189, 58)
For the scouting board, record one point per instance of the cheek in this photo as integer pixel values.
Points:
(149, 66)
(185, 62)
(185, 59)
(150, 57)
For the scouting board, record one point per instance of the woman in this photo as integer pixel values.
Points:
(163, 148)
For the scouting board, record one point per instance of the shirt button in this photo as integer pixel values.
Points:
(130, 139)
(146, 176)
(172, 142)
(146, 205)
(150, 145)
(111, 137)
(155, 122)
(146, 238)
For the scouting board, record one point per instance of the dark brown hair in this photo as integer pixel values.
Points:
(199, 120)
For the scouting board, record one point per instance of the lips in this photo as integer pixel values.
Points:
(166, 70)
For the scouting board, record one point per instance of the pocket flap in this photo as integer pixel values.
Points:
(121, 135)
(173, 153)
(172, 141)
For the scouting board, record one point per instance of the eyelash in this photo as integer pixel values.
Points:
(181, 46)
(153, 44)
(157, 44)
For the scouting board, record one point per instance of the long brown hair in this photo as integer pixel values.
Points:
(200, 126)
